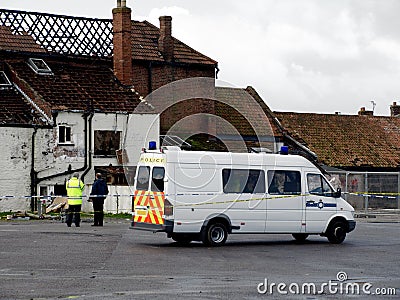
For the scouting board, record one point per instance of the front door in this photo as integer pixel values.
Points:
(321, 203)
(285, 206)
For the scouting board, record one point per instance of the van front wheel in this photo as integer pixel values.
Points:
(336, 233)
(215, 234)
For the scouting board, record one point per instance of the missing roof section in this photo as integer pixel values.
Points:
(39, 66)
(4, 81)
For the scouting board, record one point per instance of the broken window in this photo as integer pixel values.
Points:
(115, 175)
(106, 142)
(64, 134)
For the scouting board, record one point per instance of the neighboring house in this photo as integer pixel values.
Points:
(362, 151)
(68, 94)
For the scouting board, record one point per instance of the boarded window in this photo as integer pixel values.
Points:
(106, 142)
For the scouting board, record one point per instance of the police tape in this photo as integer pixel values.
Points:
(52, 197)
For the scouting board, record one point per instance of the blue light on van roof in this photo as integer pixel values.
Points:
(284, 150)
(152, 145)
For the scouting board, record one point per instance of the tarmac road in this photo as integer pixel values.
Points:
(48, 260)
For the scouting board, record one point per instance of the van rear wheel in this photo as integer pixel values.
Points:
(300, 237)
(215, 234)
(336, 233)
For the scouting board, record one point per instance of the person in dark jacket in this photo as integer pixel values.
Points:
(98, 194)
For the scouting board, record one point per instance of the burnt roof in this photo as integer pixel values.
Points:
(15, 109)
(347, 141)
(84, 37)
(73, 85)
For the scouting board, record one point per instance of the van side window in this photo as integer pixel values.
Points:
(157, 179)
(317, 185)
(243, 181)
(284, 183)
(143, 178)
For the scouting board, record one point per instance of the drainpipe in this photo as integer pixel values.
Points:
(150, 78)
(88, 149)
(33, 172)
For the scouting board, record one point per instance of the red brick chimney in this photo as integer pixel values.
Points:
(122, 26)
(165, 41)
(395, 110)
(363, 112)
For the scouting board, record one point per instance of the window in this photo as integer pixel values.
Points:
(39, 66)
(143, 178)
(106, 142)
(284, 183)
(157, 179)
(243, 181)
(64, 134)
(4, 81)
(317, 185)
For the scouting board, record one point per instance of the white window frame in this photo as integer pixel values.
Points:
(67, 137)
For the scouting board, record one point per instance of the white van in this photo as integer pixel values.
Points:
(204, 196)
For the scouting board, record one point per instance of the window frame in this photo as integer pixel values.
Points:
(65, 129)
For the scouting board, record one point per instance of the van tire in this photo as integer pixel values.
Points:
(181, 239)
(300, 237)
(336, 232)
(215, 234)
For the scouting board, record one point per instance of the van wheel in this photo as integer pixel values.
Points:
(336, 233)
(300, 237)
(181, 239)
(215, 234)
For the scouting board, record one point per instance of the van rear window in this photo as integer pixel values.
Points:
(243, 181)
(142, 182)
(157, 179)
(284, 183)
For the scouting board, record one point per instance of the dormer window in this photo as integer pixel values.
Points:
(39, 66)
(4, 81)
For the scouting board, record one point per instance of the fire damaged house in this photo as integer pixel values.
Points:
(69, 87)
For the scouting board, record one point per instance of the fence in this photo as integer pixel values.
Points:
(364, 190)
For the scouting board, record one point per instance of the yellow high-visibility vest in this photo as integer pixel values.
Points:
(74, 191)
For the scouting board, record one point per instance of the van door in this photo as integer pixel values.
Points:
(320, 203)
(285, 206)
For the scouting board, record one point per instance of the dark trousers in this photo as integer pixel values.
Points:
(98, 207)
(73, 213)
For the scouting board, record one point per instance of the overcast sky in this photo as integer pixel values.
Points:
(319, 56)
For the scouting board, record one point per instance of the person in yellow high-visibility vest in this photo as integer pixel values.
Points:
(74, 188)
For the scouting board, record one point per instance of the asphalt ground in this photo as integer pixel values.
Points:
(47, 260)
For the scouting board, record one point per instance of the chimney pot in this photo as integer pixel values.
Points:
(118, 3)
(123, 3)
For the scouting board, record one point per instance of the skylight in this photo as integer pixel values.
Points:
(4, 81)
(39, 66)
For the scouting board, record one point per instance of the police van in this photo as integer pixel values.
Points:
(205, 196)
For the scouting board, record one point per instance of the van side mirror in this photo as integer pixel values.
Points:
(338, 193)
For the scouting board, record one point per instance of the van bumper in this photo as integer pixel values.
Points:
(167, 227)
(352, 225)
